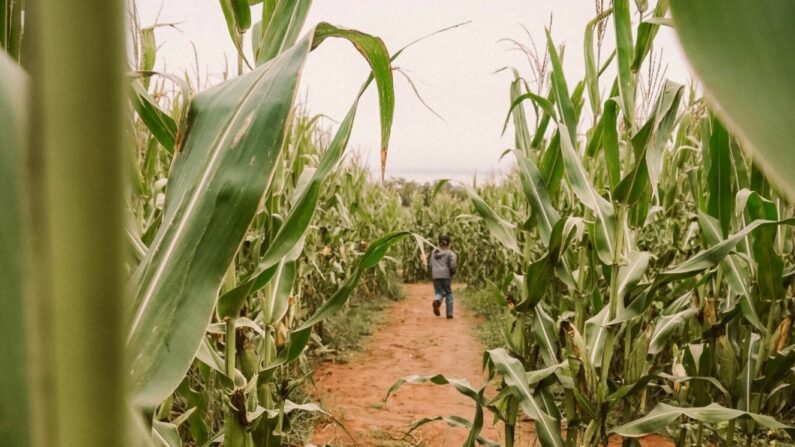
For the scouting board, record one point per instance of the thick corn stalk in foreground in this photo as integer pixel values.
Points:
(14, 403)
(66, 204)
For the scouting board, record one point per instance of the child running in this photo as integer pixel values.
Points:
(444, 263)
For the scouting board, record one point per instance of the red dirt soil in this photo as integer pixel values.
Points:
(412, 341)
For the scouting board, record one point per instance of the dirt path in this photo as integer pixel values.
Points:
(412, 341)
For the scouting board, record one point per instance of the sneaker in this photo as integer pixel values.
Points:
(436, 305)
(449, 317)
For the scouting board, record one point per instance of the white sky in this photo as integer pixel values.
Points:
(454, 71)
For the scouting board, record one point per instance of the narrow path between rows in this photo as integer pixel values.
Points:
(411, 341)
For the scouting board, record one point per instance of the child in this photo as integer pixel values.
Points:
(443, 266)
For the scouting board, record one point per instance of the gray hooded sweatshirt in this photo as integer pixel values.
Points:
(443, 263)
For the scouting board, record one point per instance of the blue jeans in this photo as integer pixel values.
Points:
(441, 289)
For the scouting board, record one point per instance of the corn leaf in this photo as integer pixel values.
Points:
(546, 106)
(591, 75)
(596, 333)
(536, 280)
(242, 14)
(455, 422)
(283, 23)
(545, 336)
(235, 133)
(575, 172)
(625, 56)
(504, 231)
(712, 256)
(647, 30)
(521, 130)
(371, 257)
(716, 34)
(159, 123)
(610, 141)
(631, 273)
(737, 275)
(374, 50)
(276, 303)
(663, 414)
(665, 327)
(515, 377)
(536, 193)
(745, 382)
(463, 387)
(719, 178)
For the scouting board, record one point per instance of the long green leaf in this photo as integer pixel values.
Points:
(712, 256)
(242, 13)
(545, 336)
(515, 377)
(371, 257)
(374, 50)
(663, 414)
(596, 333)
(461, 385)
(536, 193)
(625, 56)
(665, 327)
(665, 115)
(300, 335)
(235, 132)
(719, 178)
(504, 231)
(736, 273)
(276, 303)
(715, 34)
(575, 172)
(542, 102)
(745, 382)
(282, 29)
(631, 273)
(610, 141)
(456, 422)
(591, 75)
(647, 30)
(521, 129)
(701, 261)
(159, 123)
(297, 222)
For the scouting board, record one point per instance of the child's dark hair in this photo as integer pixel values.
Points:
(444, 240)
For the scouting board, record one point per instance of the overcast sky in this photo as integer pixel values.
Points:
(453, 71)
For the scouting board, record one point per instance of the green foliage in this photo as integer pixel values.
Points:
(636, 268)
(14, 404)
(753, 39)
(646, 260)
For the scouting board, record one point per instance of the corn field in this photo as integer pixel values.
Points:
(169, 251)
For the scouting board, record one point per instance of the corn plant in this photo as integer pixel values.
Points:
(64, 193)
(195, 200)
(641, 292)
(280, 196)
